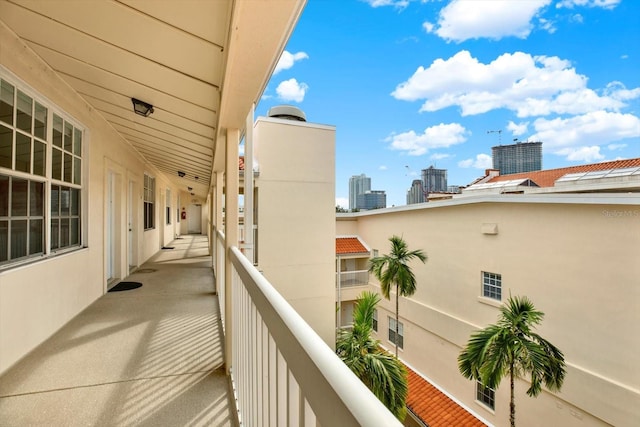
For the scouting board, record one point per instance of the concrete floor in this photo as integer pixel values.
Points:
(151, 356)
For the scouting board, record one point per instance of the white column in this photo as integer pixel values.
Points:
(248, 187)
(230, 232)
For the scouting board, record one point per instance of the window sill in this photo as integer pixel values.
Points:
(490, 301)
(485, 407)
(36, 259)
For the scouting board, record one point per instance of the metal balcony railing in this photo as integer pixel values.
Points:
(283, 373)
(352, 278)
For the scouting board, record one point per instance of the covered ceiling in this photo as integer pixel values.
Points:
(200, 63)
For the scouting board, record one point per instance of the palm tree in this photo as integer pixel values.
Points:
(393, 269)
(510, 347)
(383, 373)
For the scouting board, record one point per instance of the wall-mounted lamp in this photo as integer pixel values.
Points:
(181, 174)
(141, 107)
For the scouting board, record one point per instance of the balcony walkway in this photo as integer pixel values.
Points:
(151, 356)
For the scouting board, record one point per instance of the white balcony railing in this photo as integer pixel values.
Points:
(219, 270)
(283, 372)
(352, 278)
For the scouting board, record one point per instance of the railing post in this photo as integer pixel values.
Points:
(231, 233)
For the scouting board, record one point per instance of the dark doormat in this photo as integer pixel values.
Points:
(125, 286)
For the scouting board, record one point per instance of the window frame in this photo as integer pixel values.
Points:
(392, 332)
(149, 202)
(374, 323)
(485, 396)
(168, 206)
(491, 286)
(31, 140)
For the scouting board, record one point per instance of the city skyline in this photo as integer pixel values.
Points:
(409, 84)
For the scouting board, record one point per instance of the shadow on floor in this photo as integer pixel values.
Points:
(150, 356)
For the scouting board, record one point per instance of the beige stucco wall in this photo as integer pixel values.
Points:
(575, 260)
(296, 228)
(38, 298)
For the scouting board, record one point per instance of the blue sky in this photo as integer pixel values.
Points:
(410, 84)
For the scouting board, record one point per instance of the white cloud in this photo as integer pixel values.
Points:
(591, 129)
(605, 4)
(382, 168)
(438, 136)
(462, 20)
(287, 60)
(528, 85)
(291, 90)
(482, 161)
(342, 202)
(518, 129)
(577, 18)
(618, 91)
(439, 156)
(398, 4)
(614, 147)
(624, 56)
(582, 154)
(428, 27)
(547, 25)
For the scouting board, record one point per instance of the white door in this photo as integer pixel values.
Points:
(131, 252)
(110, 227)
(194, 219)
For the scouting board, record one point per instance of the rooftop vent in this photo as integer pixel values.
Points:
(287, 112)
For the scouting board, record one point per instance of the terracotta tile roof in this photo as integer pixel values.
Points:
(547, 178)
(349, 245)
(434, 407)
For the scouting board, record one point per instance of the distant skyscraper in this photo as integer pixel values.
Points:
(358, 184)
(375, 199)
(516, 158)
(416, 193)
(434, 180)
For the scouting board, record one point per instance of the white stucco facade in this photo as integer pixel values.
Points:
(575, 256)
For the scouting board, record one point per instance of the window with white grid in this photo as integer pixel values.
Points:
(492, 285)
(41, 171)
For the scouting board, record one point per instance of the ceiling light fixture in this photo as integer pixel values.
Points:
(141, 107)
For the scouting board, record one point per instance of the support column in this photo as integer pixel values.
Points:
(230, 232)
(219, 205)
(211, 232)
(248, 188)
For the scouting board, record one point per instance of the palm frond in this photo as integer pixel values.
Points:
(510, 347)
(383, 374)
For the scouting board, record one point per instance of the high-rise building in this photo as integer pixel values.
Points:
(434, 180)
(415, 194)
(375, 199)
(358, 184)
(517, 158)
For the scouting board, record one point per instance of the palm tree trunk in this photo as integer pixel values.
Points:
(512, 404)
(397, 321)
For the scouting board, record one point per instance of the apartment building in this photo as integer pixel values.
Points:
(358, 184)
(516, 158)
(434, 180)
(574, 255)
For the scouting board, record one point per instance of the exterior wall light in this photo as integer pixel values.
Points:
(141, 107)
(181, 174)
